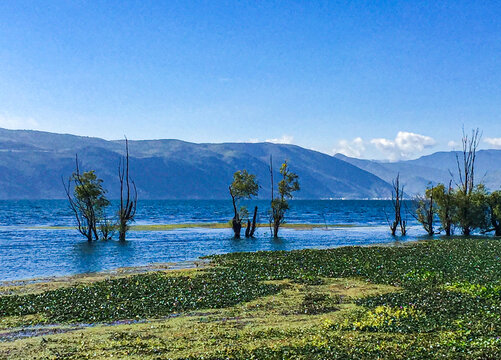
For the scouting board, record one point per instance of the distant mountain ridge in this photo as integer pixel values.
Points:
(34, 163)
(440, 167)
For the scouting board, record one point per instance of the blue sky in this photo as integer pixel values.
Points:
(373, 79)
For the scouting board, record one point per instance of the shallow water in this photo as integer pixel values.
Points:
(28, 251)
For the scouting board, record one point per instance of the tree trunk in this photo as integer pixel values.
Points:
(466, 231)
(393, 229)
(495, 224)
(236, 224)
(276, 226)
(254, 218)
(248, 229)
(448, 229)
(403, 227)
(497, 231)
(122, 229)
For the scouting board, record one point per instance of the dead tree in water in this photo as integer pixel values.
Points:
(128, 200)
(396, 200)
(466, 211)
(251, 227)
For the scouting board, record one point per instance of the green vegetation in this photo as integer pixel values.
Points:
(244, 186)
(87, 198)
(286, 187)
(88, 203)
(469, 206)
(428, 300)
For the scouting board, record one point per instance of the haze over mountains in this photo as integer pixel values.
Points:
(33, 164)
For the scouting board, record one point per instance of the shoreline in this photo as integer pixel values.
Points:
(8, 287)
(211, 225)
(197, 264)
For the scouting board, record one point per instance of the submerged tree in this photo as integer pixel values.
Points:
(88, 201)
(128, 196)
(286, 187)
(251, 227)
(107, 227)
(425, 210)
(244, 186)
(397, 195)
(445, 205)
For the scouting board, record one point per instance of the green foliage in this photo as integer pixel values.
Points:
(494, 200)
(279, 206)
(448, 305)
(244, 185)
(289, 182)
(471, 209)
(444, 199)
(89, 190)
(319, 303)
(494, 204)
(425, 211)
(89, 203)
(107, 228)
(151, 295)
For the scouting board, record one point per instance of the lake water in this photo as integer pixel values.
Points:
(27, 250)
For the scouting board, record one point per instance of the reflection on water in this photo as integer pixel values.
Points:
(26, 252)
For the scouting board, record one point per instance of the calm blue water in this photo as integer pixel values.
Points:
(26, 252)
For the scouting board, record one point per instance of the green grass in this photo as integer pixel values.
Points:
(435, 299)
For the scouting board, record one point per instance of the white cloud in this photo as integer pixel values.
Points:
(285, 139)
(452, 144)
(404, 145)
(354, 148)
(495, 142)
(14, 123)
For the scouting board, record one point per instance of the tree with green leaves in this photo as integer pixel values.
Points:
(425, 210)
(88, 201)
(244, 186)
(286, 187)
(494, 212)
(471, 209)
(445, 206)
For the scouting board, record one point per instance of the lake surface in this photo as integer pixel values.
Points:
(27, 250)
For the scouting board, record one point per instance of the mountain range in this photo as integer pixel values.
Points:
(33, 165)
(440, 167)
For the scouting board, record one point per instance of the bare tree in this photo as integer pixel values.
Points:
(465, 161)
(396, 201)
(128, 195)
